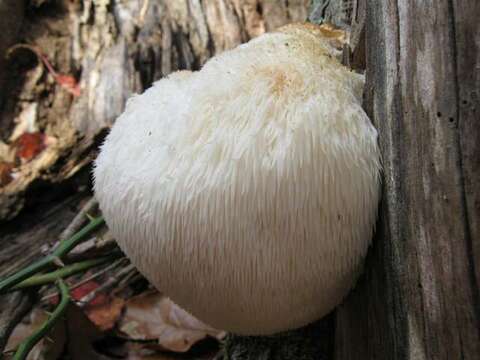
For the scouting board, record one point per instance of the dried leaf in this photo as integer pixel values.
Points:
(153, 316)
(85, 289)
(49, 347)
(104, 316)
(69, 83)
(29, 145)
(101, 310)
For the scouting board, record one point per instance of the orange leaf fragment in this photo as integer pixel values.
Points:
(105, 315)
(69, 83)
(79, 292)
(29, 145)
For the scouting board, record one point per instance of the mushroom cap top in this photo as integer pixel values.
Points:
(247, 191)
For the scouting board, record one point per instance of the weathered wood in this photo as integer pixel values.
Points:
(338, 12)
(22, 239)
(115, 49)
(12, 309)
(121, 48)
(420, 296)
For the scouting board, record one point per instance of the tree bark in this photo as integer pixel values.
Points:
(113, 49)
(14, 307)
(420, 297)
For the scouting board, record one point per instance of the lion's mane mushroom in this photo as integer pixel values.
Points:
(247, 191)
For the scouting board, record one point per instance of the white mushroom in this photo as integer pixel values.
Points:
(247, 191)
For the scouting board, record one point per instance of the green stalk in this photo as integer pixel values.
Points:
(49, 260)
(26, 346)
(61, 273)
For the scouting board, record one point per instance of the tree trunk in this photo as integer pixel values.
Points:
(420, 297)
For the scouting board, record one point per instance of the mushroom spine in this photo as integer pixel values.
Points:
(247, 191)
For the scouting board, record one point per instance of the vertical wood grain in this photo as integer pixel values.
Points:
(419, 298)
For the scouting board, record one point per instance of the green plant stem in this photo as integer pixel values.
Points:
(62, 273)
(48, 261)
(26, 346)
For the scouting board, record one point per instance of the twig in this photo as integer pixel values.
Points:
(143, 12)
(27, 345)
(48, 261)
(131, 278)
(79, 219)
(87, 279)
(68, 82)
(112, 281)
(132, 272)
(62, 273)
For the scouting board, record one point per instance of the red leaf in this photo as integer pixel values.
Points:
(69, 83)
(29, 145)
(105, 315)
(83, 290)
(87, 288)
(5, 173)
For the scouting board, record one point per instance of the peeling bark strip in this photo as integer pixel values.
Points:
(421, 291)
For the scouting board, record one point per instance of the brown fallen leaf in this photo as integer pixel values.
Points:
(72, 335)
(50, 347)
(29, 145)
(104, 316)
(102, 310)
(153, 316)
(69, 83)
